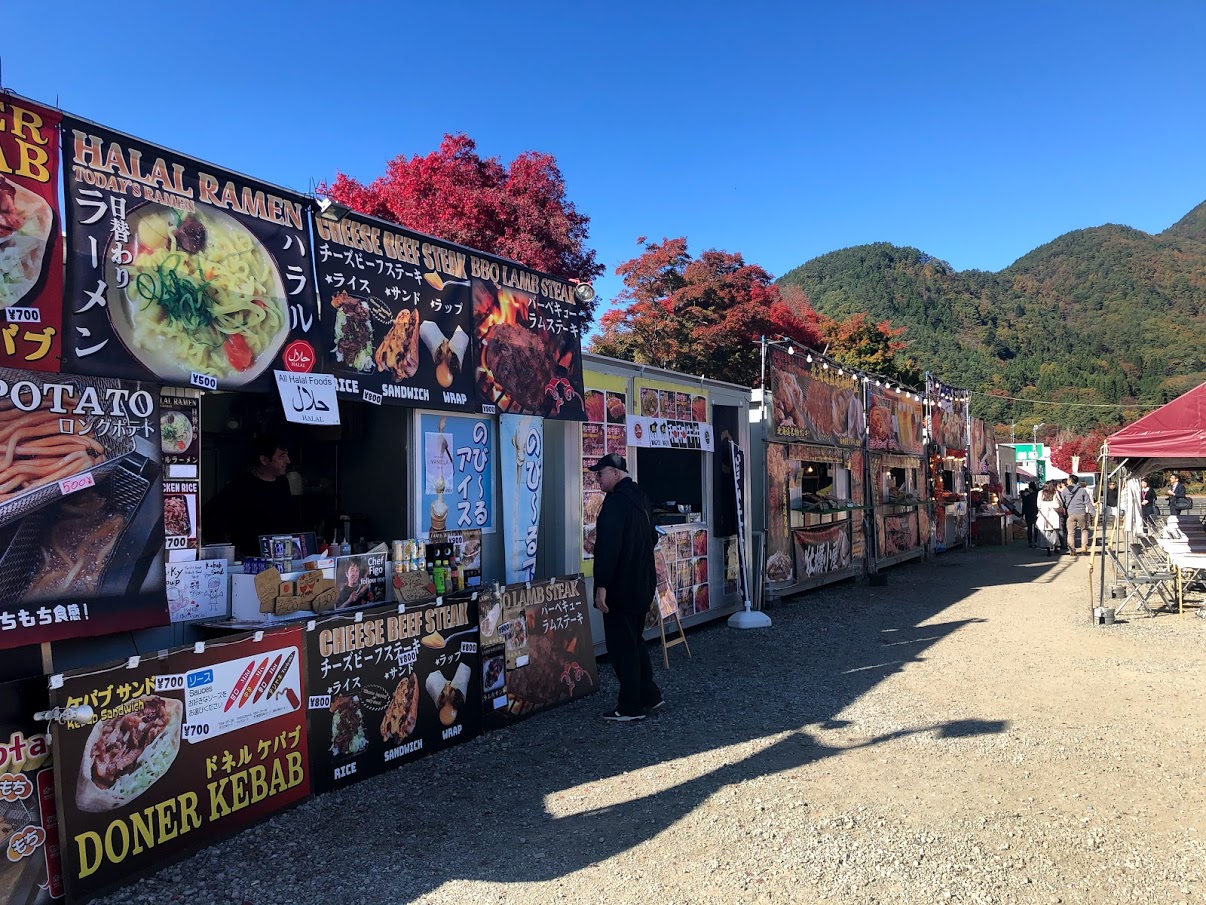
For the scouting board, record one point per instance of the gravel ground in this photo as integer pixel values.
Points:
(962, 734)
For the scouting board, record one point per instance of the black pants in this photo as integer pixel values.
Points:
(630, 656)
(1032, 532)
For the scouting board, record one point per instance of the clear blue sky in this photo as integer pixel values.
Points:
(974, 131)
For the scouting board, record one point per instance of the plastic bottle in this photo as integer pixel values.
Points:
(438, 576)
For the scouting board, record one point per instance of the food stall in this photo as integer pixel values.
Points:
(895, 458)
(672, 429)
(948, 463)
(812, 488)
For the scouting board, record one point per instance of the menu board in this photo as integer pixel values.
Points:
(81, 523)
(895, 421)
(681, 563)
(983, 448)
(457, 470)
(222, 743)
(197, 590)
(670, 401)
(387, 687)
(31, 254)
(528, 341)
(537, 650)
(468, 545)
(179, 271)
(522, 452)
(658, 433)
(397, 315)
(604, 431)
(31, 873)
(180, 448)
(815, 402)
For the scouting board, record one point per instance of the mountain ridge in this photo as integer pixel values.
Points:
(1099, 315)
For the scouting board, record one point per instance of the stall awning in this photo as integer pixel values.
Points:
(1173, 431)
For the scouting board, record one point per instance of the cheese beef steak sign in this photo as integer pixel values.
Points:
(180, 750)
(388, 687)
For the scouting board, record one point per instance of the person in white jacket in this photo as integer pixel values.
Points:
(1049, 506)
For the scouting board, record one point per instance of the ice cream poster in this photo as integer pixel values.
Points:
(458, 464)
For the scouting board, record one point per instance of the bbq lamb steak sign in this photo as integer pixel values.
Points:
(528, 329)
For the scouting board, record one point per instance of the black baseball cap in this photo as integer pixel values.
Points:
(611, 460)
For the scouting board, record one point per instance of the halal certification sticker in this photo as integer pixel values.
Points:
(298, 357)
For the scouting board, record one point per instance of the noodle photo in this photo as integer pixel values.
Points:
(203, 296)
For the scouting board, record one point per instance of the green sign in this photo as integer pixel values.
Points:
(1029, 452)
(1040, 470)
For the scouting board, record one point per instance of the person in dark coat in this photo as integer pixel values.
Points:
(1148, 495)
(1030, 513)
(255, 502)
(625, 582)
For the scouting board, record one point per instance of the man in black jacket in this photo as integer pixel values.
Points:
(1030, 513)
(625, 582)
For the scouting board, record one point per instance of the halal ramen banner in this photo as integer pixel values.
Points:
(179, 271)
(814, 402)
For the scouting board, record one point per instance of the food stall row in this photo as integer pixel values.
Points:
(426, 409)
(860, 473)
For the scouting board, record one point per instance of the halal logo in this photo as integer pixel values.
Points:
(298, 357)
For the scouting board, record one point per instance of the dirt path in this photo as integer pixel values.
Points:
(963, 734)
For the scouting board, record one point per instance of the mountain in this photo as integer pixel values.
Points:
(1109, 314)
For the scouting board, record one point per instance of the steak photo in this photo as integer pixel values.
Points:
(521, 363)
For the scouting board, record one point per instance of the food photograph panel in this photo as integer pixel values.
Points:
(81, 508)
(397, 317)
(182, 272)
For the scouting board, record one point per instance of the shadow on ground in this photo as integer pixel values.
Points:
(759, 698)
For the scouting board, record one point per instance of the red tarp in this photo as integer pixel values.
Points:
(1173, 431)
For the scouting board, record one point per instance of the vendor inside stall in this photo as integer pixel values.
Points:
(255, 502)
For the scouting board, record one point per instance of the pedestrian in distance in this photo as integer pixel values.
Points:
(1078, 503)
(1030, 514)
(1178, 500)
(1049, 517)
(625, 582)
(1148, 495)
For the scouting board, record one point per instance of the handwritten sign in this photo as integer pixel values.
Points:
(308, 398)
(197, 590)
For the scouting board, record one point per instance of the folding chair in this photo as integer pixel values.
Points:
(1149, 576)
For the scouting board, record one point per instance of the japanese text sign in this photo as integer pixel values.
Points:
(85, 499)
(222, 743)
(522, 451)
(31, 252)
(528, 333)
(816, 402)
(181, 271)
(458, 454)
(397, 315)
(387, 687)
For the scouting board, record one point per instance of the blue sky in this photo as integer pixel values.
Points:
(973, 131)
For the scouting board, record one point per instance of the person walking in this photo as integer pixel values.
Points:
(1030, 514)
(1078, 505)
(625, 582)
(1049, 517)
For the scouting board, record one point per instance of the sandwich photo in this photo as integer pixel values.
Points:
(126, 754)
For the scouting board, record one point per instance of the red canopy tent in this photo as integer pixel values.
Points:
(1174, 434)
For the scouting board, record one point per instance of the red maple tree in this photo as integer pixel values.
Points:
(519, 212)
(701, 315)
(1087, 447)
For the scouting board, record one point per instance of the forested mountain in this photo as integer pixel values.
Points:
(1108, 314)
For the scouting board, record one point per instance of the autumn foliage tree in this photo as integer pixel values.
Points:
(1088, 447)
(519, 212)
(701, 315)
